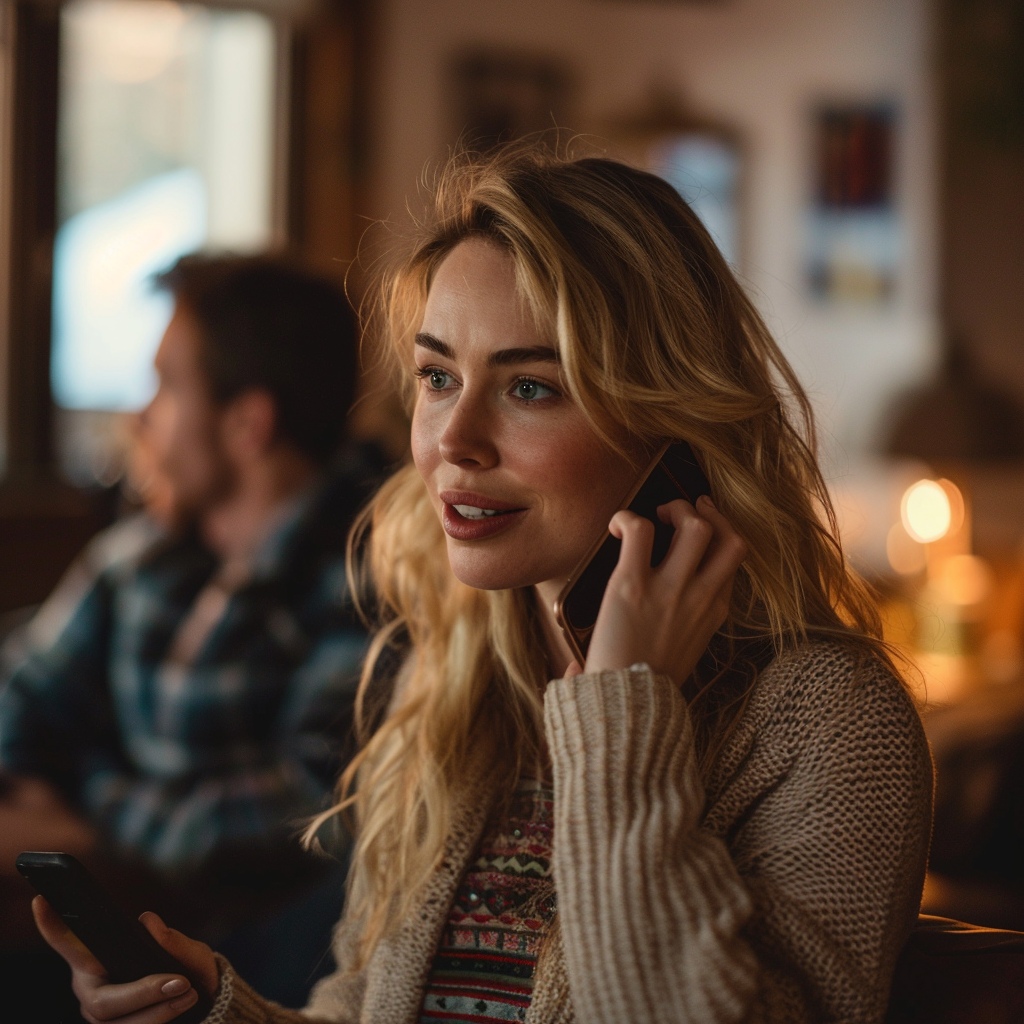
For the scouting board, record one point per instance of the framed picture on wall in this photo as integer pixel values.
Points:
(854, 236)
(498, 95)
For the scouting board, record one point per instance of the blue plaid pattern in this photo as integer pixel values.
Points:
(177, 765)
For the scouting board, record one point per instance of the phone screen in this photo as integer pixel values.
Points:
(675, 474)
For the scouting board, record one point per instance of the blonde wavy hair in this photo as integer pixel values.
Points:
(656, 336)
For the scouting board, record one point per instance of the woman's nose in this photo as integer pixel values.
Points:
(468, 437)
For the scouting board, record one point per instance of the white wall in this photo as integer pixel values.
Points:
(758, 64)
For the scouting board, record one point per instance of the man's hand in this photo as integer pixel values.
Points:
(34, 816)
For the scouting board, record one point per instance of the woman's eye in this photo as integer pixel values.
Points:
(531, 390)
(436, 380)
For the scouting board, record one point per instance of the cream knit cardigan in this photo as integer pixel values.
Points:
(778, 889)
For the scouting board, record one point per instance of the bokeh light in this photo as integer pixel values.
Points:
(965, 580)
(906, 555)
(926, 511)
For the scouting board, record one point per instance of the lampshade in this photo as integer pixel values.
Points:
(957, 417)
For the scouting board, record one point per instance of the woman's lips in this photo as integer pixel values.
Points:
(458, 527)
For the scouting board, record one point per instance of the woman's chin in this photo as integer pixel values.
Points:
(484, 574)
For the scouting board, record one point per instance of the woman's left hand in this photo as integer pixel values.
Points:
(665, 616)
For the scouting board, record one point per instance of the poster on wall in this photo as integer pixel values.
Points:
(854, 232)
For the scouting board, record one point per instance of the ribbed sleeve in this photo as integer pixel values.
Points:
(651, 906)
(237, 1003)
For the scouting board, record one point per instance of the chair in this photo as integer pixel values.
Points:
(955, 973)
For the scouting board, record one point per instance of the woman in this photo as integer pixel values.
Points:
(724, 814)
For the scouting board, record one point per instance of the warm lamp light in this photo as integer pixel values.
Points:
(926, 511)
(906, 555)
(965, 580)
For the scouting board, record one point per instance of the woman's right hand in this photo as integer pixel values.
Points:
(152, 1000)
(665, 616)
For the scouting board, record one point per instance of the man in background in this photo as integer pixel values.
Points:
(185, 696)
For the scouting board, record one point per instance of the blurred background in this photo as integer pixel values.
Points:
(860, 162)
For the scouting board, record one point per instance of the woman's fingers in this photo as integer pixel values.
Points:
(666, 616)
(60, 937)
(703, 537)
(729, 547)
(704, 547)
(637, 536)
(717, 572)
(150, 1000)
(692, 536)
(195, 956)
(153, 1000)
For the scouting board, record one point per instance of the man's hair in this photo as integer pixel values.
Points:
(267, 323)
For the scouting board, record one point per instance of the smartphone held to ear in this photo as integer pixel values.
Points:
(673, 473)
(124, 947)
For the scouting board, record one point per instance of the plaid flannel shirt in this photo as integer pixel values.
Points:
(178, 766)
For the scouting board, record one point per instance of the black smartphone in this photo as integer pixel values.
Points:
(124, 947)
(672, 473)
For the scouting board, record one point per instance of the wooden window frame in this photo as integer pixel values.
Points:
(322, 73)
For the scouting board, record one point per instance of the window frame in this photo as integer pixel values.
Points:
(325, 50)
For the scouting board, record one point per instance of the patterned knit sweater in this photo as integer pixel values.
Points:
(499, 919)
(778, 888)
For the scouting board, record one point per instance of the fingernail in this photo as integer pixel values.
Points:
(185, 1001)
(705, 498)
(175, 987)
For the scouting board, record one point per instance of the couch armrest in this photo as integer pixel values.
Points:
(955, 973)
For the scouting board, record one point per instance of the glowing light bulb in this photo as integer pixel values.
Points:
(926, 511)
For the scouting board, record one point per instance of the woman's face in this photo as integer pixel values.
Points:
(522, 484)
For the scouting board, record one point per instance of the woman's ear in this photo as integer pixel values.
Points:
(249, 425)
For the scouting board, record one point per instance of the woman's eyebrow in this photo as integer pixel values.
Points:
(531, 354)
(435, 345)
(503, 357)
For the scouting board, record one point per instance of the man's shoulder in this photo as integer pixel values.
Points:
(124, 545)
(112, 555)
(314, 544)
(347, 486)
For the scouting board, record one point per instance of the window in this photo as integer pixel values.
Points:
(165, 146)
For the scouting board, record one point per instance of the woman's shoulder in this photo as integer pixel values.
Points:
(832, 689)
(829, 716)
(826, 670)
